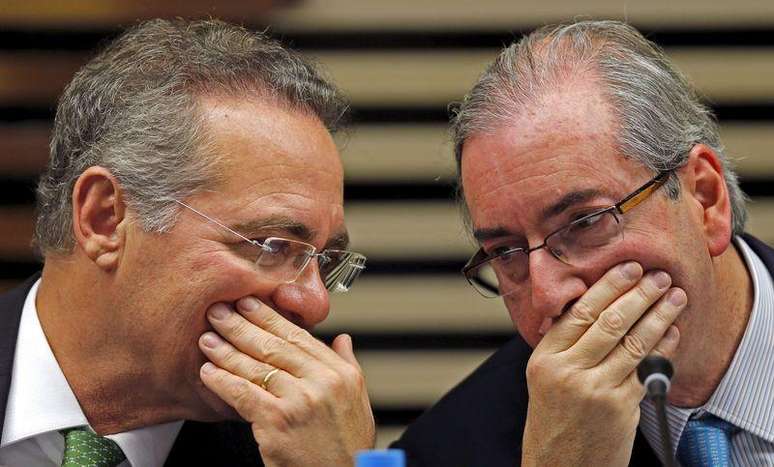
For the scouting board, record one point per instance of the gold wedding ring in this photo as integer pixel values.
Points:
(266, 379)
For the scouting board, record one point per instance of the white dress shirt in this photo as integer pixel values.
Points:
(745, 395)
(41, 404)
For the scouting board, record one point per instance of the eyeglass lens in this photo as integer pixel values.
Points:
(576, 243)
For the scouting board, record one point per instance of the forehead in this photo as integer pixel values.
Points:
(564, 142)
(273, 161)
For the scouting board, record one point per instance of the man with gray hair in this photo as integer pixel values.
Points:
(611, 224)
(191, 224)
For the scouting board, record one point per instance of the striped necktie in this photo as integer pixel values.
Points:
(706, 442)
(86, 449)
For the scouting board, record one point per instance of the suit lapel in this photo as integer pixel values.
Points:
(11, 305)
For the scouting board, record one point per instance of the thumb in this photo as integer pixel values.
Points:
(342, 345)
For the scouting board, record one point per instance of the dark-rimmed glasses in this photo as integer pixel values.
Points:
(501, 272)
(282, 260)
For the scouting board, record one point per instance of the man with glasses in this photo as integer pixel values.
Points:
(191, 224)
(610, 223)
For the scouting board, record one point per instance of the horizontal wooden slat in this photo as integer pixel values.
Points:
(392, 153)
(327, 15)
(111, 13)
(397, 379)
(439, 77)
(421, 304)
(417, 231)
(424, 152)
(418, 77)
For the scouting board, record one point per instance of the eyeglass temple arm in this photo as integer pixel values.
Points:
(643, 192)
(196, 211)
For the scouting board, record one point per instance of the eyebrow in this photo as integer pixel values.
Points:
(567, 201)
(276, 222)
(298, 230)
(564, 203)
(340, 241)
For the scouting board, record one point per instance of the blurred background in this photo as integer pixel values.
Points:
(418, 328)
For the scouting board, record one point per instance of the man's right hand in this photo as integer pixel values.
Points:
(582, 377)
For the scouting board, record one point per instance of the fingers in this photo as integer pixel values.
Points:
(584, 313)
(615, 321)
(649, 332)
(274, 323)
(258, 343)
(227, 357)
(667, 346)
(342, 345)
(246, 398)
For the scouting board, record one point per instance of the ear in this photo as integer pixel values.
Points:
(704, 183)
(99, 217)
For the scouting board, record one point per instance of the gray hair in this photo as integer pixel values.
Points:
(660, 116)
(135, 110)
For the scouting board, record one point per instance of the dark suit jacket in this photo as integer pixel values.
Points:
(480, 422)
(212, 444)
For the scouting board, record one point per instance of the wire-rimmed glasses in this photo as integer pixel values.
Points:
(503, 271)
(282, 260)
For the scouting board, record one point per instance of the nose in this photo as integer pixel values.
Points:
(553, 284)
(304, 301)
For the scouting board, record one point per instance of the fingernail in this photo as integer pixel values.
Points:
(631, 270)
(219, 311)
(677, 297)
(250, 304)
(661, 279)
(208, 368)
(211, 340)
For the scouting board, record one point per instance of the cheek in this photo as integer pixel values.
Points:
(224, 278)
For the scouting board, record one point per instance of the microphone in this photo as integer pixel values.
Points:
(655, 373)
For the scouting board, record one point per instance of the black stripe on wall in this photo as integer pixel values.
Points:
(21, 191)
(725, 112)
(50, 39)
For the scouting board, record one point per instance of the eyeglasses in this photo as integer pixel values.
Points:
(503, 271)
(282, 260)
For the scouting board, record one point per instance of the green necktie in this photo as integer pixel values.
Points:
(86, 449)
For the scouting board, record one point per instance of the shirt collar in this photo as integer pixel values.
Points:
(40, 400)
(745, 395)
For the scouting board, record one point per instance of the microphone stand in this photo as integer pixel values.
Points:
(655, 374)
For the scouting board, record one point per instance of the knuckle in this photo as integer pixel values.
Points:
(645, 294)
(269, 348)
(353, 376)
(238, 330)
(298, 336)
(279, 419)
(635, 346)
(582, 312)
(255, 373)
(229, 358)
(333, 380)
(312, 399)
(611, 321)
(240, 393)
